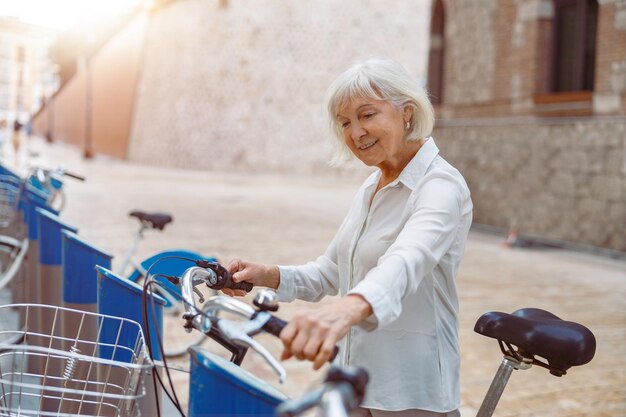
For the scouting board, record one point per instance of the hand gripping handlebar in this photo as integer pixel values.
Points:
(228, 331)
(223, 279)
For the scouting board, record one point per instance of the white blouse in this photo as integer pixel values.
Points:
(402, 254)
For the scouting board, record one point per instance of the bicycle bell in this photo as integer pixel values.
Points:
(266, 300)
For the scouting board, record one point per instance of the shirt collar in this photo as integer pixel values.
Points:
(415, 169)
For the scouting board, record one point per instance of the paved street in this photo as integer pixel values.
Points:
(291, 219)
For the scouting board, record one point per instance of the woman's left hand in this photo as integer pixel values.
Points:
(313, 335)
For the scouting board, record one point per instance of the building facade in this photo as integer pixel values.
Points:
(530, 96)
(27, 77)
(531, 105)
(213, 84)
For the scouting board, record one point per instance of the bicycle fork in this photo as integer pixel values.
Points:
(499, 383)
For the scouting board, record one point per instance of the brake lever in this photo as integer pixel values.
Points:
(241, 333)
(199, 294)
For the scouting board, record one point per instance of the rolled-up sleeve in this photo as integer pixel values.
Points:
(421, 244)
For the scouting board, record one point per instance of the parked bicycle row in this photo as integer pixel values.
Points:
(90, 341)
(75, 317)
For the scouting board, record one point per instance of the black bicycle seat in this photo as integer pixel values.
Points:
(154, 220)
(537, 332)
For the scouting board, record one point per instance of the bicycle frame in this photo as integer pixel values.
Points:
(130, 252)
(168, 262)
(173, 266)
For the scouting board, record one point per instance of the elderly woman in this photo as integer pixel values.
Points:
(394, 258)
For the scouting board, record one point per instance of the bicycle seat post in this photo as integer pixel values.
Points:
(499, 383)
(131, 249)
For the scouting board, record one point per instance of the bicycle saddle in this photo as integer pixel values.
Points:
(537, 332)
(154, 220)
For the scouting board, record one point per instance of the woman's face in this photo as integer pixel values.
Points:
(374, 130)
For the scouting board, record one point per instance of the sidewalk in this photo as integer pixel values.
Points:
(288, 220)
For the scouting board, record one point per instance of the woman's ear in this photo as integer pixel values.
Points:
(408, 113)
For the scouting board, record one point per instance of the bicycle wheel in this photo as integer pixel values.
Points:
(170, 263)
(12, 253)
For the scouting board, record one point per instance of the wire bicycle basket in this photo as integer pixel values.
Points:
(9, 198)
(97, 367)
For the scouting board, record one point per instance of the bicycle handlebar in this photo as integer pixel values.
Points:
(49, 172)
(224, 279)
(272, 325)
(342, 391)
(229, 333)
(75, 176)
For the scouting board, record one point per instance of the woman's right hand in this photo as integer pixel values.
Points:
(258, 274)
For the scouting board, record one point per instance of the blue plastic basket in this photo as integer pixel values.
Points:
(221, 388)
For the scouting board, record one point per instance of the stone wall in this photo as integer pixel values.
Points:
(552, 179)
(239, 85)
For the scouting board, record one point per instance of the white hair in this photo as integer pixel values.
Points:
(379, 79)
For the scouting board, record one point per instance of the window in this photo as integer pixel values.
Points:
(574, 37)
(436, 54)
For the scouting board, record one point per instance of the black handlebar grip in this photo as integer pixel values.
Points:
(246, 286)
(228, 282)
(224, 278)
(275, 325)
(357, 377)
(75, 176)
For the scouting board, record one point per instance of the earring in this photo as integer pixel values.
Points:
(408, 125)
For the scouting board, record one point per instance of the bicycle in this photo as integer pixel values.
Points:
(51, 183)
(536, 333)
(208, 370)
(13, 247)
(526, 337)
(41, 184)
(163, 263)
(234, 335)
(177, 260)
(9, 198)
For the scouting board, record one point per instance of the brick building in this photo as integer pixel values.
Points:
(531, 104)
